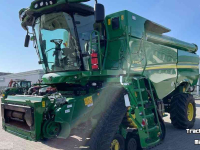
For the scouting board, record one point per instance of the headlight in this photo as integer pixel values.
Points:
(22, 14)
(3, 95)
(36, 6)
(41, 4)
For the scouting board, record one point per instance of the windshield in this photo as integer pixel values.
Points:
(26, 84)
(58, 46)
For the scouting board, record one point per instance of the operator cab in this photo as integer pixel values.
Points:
(57, 43)
(62, 34)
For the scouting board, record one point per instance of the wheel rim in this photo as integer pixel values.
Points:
(190, 112)
(115, 145)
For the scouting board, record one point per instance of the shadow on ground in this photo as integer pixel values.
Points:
(73, 142)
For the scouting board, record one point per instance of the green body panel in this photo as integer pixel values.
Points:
(77, 111)
(134, 22)
(13, 91)
(188, 65)
(34, 102)
(69, 115)
(62, 77)
(161, 67)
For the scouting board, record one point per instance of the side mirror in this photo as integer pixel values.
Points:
(40, 62)
(99, 13)
(27, 40)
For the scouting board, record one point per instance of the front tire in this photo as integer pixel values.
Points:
(183, 111)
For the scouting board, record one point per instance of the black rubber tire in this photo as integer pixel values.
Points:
(121, 141)
(178, 112)
(131, 143)
(163, 128)
(108, 125)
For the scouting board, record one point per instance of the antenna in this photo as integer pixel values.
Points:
(96, 1)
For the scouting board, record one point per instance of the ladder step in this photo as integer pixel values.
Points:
(149, 116)
(139, 78)
(147, 105)
(140, 103)
(153, 128)
(139, 90)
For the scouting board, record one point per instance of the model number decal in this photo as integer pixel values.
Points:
(69, 106)
(67, 111)
(88, 101)
(43, 104)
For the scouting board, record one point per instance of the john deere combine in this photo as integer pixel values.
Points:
(117, 75)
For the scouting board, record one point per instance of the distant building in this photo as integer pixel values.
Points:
(32, 76)
(4, 73)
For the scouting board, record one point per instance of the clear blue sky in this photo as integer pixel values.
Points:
(181, 16)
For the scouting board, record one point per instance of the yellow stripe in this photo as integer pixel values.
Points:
(167, 67)
(185, 66)
(195, 63)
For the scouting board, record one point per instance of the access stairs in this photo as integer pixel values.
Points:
(142, 114)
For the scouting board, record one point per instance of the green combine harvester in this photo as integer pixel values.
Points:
(18, 86)
(116, 75)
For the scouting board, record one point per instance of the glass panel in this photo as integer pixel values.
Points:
(37, 40)
(85, 27)
(25, 84)
(56, 41)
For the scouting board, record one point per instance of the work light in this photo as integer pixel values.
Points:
(36, 5)
(41, 4)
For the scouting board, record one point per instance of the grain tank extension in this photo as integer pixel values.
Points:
(115, 75)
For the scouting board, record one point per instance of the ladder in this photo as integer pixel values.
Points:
(144, 108)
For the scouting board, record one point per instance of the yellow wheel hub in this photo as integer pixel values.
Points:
(115, 145)
(190, 112)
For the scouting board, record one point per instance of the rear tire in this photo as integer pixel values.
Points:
(183, 111)
(109, 123)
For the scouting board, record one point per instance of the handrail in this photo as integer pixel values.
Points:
(98, 46)
(142, 46)
(144, 54)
